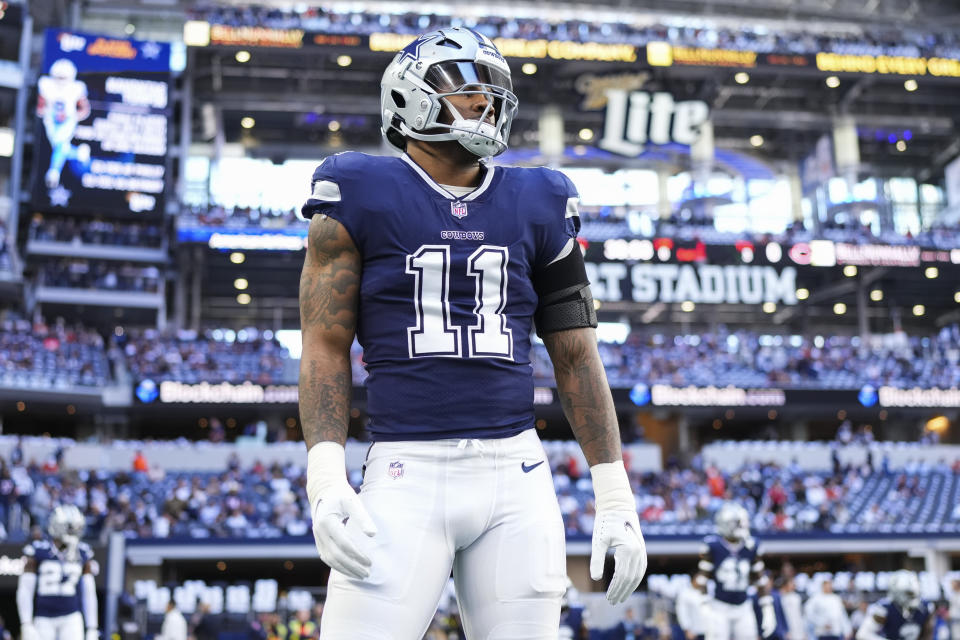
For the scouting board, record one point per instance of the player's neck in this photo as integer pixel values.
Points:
(446, 162)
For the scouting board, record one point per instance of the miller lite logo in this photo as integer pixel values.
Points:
(395, 470)
(458, 209)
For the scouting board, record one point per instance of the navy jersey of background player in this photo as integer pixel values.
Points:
(781, 630)
(732, 564)
(58, 578)
(896, 626)
(446, 295)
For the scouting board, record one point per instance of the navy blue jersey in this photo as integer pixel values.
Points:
(58, 578)
(732, 565)
(446, 295)
(780, 632)
(896, 626)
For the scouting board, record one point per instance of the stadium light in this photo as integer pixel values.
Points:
(237, 257)
(910, 84)
(876, 295)
(956, 297)
(839, 308)
(6, 142)
(931, 273)
(901, 146)
(333, 125)
(240, 283)
(242, 56)
(833, 82)
(687, 306)
(129, 29)
(938, 424)
(344, 60)
(803, 294)
(243, 298)
(529, 68)
(247, 122)
(586, 134)
(850, 270)
(919, 310)
(742, 78)
(756, 140)
(769, 307)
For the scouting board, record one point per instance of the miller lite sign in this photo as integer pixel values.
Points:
(635, 118)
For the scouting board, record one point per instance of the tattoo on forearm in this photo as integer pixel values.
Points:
(585, 394)
(329, 291)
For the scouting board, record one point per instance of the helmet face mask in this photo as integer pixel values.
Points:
(66, 525)
(905, 589)
(417, 88)
(733, 522)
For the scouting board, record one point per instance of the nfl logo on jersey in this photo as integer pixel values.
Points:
(458, 209)
(395, 470)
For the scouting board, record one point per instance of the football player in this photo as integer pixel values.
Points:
(56, 593)
(731, 559)
(62, 104)
(441, 264)
(902, 615)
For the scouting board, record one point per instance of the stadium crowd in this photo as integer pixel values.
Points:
(80, 273)
(719, 358)
(268, 501)
(793, 38)
(186, 356)
(70, 229)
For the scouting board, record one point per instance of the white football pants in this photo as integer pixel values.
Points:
(68, 627)
(485, 509)
(725, 621)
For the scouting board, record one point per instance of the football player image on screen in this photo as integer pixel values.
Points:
(902, 615)
(732, 560)
(442, 265)
(62, 104)
(56, 593)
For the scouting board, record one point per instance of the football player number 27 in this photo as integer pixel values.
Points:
(56, 579)
(434, 333)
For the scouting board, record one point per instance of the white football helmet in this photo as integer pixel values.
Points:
(63, 69)
(440, 64)
(904, 589)
(733, 522)
(66, 525)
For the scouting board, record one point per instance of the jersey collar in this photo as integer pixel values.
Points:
(473, 195)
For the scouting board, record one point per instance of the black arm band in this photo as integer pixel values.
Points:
(564, 293)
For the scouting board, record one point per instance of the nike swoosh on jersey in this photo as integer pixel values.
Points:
(526, 469)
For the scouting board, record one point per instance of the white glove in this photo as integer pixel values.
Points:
(332, 502)
(617, 525)
(92, 634)
(28, 632)
(768, 617)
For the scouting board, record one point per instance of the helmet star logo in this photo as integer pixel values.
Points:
(412, 50)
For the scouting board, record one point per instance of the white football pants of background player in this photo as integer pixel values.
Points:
(68, 627)
(485, 509)
(725, 621)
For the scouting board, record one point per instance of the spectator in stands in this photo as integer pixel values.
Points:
(792, 605)
(202, 622)
(301, 627)
(140, 462)
(826, 615)
(174, 624)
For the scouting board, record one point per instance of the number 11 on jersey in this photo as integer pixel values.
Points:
(434, 334)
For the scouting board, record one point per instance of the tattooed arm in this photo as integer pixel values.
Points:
(584, 393)
(588, 405)
(329, 295)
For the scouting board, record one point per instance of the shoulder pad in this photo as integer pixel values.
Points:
(558, 182)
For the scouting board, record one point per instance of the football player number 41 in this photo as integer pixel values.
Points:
(434, 334)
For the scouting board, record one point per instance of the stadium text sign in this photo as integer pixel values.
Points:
(917, 397)
(633, 119)
(888, 65)
(226, 393)
(665, 395)
(711, 284)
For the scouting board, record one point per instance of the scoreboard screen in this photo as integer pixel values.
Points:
(103, 108)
